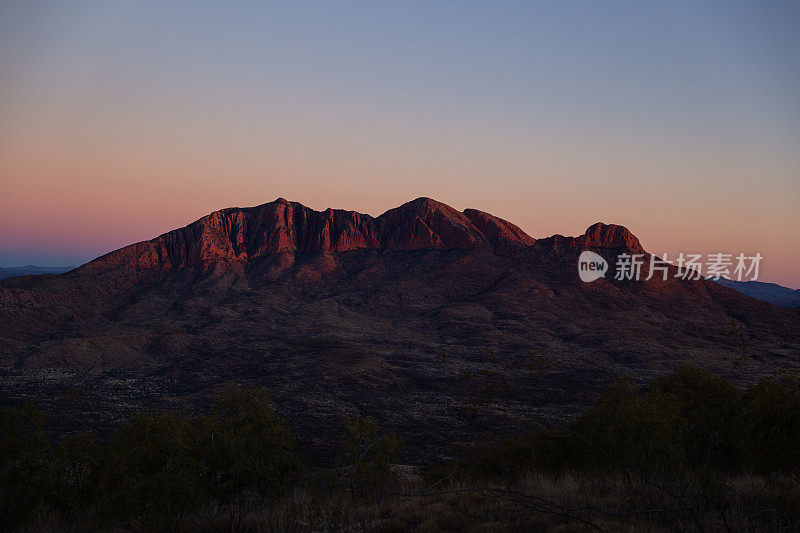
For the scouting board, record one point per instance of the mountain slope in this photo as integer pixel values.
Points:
(423, 317)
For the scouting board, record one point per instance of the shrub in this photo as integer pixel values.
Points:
(625, 426)
(23, 444)
(247, 446)
(161, 468)
(688, 421)
(710, 407)
(769, 439)
(369, 455)
(75, 481)
(154, 473)
(507, 459)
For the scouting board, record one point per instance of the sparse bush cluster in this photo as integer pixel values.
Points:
(152, 472)
(690, 451)
(689, 420)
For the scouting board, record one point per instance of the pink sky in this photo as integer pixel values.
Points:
(119, 123)
(74, 204)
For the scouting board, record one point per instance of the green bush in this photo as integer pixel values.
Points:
(75, 477)
(162, 468)
(368, 454)
(505, 460)
(154, 473)
(160, 471)
(710, 407)
(23, 445)
(769, 438)
(642, 430)
(246, 446)
(688, 420)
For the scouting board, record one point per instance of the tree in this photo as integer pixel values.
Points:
(75, 477)
(247, 446)
(369, 455)
(154, 473)
(23, 444)
(770, 426)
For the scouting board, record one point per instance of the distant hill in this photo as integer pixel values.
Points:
(767, 292)
(27, 270)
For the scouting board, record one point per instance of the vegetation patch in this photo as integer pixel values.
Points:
(688, 452)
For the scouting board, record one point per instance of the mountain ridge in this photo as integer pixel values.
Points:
(281, 226)
(765, 291)
(27, 270)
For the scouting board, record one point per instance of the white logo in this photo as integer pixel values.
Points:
(591, 266)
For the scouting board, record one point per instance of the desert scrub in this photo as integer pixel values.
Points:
(155, 471)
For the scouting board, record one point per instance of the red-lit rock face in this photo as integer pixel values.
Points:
(242, 234)
(609, 236)
(598, 235)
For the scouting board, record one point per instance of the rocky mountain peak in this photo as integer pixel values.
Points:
(426, 223)
(610, 236)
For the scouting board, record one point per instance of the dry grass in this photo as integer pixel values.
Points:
(538, 502)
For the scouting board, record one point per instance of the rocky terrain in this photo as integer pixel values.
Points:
(443, 325)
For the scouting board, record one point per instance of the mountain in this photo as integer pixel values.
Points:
(440, 324)
(768, 292)
(281, 227)
(31, 270)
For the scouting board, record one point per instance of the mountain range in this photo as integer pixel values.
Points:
(31, 270)
(423, 318)
(768, 292)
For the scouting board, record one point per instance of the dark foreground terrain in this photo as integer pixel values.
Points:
(691, 452)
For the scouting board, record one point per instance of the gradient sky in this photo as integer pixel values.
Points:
(680, 120)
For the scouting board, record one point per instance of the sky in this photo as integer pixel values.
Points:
(120, 121)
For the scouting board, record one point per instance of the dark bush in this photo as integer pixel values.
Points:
(627, 427)
(75, 478)
(368, 455)
(154, 473)
(23, 445)
(157, 470)
(246, 446)
(769, 437)
(710, 407)
(688, 420)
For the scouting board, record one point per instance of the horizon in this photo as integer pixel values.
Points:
(681, 122)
